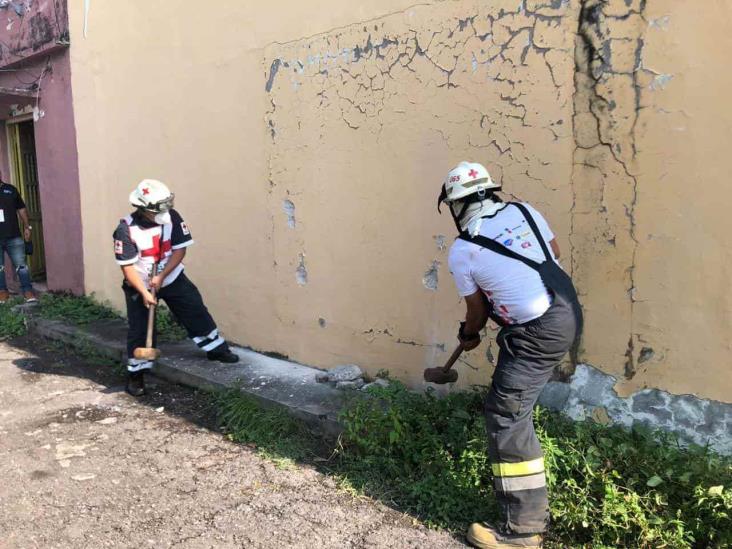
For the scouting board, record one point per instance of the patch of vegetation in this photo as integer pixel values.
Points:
(78, 310)
(167, 326)
(273, 432)
(81, 310)
(12, 323)
(89, 350)
(609, 487)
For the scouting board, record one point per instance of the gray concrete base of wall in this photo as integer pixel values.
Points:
(272, 382)
(591, 394)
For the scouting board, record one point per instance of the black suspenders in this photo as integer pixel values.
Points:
(502, 250)
(554, 278)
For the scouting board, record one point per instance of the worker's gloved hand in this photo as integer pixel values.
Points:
(469, 341)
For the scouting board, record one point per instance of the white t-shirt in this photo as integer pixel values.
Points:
(516, 291)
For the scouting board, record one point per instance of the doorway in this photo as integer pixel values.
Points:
(24, 175)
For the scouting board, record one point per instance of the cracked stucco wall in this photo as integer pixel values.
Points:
(648, 230)
(363, 122)
(307, 152)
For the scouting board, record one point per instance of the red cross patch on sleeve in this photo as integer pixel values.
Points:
(118, 247)
(184, 228)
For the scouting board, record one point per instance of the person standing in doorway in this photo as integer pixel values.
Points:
(505, 265)
(12, 242)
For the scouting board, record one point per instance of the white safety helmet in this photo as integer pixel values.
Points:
(153, 196)
(466, 179)
(464, 188)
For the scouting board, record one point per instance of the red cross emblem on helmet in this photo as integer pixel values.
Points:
(146, 191)
(472, 173)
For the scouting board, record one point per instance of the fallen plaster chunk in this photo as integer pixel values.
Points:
(83, 477)
(350, 385)
(67, 451)
(347, 372)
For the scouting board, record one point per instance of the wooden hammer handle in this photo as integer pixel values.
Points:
(453, 358)
(151, 315)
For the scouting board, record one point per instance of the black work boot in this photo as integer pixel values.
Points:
(135, 383)
(222, 353)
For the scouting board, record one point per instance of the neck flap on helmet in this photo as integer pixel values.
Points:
(464, 203)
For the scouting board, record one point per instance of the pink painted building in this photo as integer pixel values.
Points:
(38, 138)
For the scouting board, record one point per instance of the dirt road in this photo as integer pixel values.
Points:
(82, 464)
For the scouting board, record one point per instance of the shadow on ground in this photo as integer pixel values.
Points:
(57, 359)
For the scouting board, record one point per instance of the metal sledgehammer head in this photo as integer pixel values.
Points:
(440, 376)
(444, 375)
(146, 353)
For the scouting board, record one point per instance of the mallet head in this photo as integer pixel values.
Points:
(440, 376)
(146, 353)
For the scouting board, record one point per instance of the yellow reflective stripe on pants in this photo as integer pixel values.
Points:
(518, 469)
(514, 484)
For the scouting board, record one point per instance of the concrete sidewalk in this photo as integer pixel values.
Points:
(273, 382)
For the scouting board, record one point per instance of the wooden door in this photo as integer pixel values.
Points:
(25, 177)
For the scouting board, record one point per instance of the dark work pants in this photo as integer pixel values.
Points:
(185, 302)
(528, 355)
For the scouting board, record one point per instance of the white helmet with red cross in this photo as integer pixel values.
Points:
(152, 195)
(466, 179)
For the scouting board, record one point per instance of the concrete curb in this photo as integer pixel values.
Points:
(272, 382)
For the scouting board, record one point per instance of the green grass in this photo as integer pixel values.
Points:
(273, 432)
(167, 326)
(83, 310)
(609, 487)
(78, 310)
(12, 324)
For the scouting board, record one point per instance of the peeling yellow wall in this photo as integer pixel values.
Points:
(306, 142)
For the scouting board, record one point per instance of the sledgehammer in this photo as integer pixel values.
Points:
(444, 375)
(148, 352)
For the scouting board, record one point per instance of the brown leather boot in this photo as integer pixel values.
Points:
(30, 297)
(483, 536)
(4, 296)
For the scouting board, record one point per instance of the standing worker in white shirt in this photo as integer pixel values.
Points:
(504, 262)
